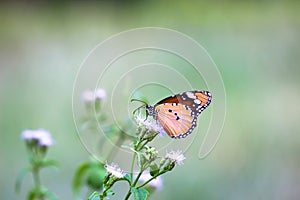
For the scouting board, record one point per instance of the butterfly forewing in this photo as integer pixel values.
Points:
(197, 100)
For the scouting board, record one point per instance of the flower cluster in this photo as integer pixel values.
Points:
(90, 96)
(114, 170)
(175, 157)
(42, 136)
(150, 126)
(37, 143)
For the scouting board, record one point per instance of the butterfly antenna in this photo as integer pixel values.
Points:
(137, 109)
(138, 101)
(142, 106)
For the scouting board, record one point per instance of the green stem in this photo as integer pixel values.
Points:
(137, 178)
(128, 194)
(36, 178)
(135, 182)
(37, 181)
(132, 166)
(145, 183)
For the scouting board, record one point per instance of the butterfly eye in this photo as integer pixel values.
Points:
(170, 110)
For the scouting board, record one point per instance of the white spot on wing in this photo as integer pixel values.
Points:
(190, 95)
(197, 101)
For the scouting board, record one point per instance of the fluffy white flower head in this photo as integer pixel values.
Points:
(176, 156)
(42, 136)
(115, 170)
(139, 120)
(151, 125)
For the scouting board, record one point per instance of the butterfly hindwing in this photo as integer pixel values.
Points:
(176, 119)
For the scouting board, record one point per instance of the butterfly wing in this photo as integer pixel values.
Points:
(197, 100)
(176, 119)
(178, 113)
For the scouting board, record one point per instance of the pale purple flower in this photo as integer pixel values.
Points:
(139, 120)
(115, 170)
(176, 156)
(156, 183)
(90, 96)
(27, 135)
(151, 125)
(100, 94)
(42, 136)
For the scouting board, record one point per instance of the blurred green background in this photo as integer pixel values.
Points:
(255, 45)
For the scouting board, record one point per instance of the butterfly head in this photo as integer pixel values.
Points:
(150, 110)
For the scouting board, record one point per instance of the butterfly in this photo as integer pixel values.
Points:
(178, 114)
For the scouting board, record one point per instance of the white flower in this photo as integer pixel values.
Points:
(151, 125)
(89, 96)
(115, 170)
(154, 126)
(156, 183)
(27, 135)
(139, 120)
(100, 94)
(176, 156)
(42, 136)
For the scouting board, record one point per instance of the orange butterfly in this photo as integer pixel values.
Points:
(178, 114)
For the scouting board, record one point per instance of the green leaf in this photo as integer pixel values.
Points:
(127, 177)
(20, 178)
(50, 163)
(129, 148)
(51, 195)
(79, 175)
(139, 193)
(142, 160)
(154, 169)
(94, 196)
(95, 177)
(110, 192)
(31, 195)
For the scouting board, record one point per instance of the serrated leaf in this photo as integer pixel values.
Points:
(20, 178)
(139, 193)
(79, 175)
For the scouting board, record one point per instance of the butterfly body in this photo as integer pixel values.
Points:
(178, 114)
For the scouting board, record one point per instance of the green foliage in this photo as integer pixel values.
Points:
(94, 196)
(154, 169)
(139, 193)
(79, 175)
(20, 177)
(91, 173)
(127, 177)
